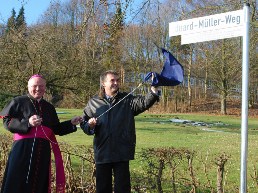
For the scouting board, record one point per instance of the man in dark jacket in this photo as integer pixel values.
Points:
(110, 118)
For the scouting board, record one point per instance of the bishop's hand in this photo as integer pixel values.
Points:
(76, 120)
(35, 120)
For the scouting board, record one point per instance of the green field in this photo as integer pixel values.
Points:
(218, 135)
(209, 142)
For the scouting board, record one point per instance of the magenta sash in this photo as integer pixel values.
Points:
(46, 133)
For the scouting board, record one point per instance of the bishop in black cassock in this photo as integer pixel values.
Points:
(35, 123)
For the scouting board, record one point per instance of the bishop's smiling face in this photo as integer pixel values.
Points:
(37, 87)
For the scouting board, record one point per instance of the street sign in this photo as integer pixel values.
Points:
(213, 27)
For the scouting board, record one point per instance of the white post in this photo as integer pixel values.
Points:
(244, 115)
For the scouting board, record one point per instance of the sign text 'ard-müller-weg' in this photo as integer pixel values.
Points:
(207, 23)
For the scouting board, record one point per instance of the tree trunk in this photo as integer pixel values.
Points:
(189, 83)
(223, 103)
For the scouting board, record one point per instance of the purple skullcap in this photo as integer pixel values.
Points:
(36, 76)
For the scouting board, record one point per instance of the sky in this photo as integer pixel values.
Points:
(33, 9)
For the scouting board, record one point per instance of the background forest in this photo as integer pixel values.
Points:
(73, 42)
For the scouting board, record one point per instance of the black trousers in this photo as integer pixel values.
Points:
(121, 177)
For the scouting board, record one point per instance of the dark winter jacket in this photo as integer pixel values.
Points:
(115, 136)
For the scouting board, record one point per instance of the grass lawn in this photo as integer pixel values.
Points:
(220, 134)
(209, 142)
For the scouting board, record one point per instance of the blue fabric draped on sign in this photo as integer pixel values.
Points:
(172, 73)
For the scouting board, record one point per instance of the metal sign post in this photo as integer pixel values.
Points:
(244, 115)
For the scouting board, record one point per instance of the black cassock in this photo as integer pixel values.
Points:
(16, 116)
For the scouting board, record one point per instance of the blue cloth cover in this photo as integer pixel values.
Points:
(172, 73)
